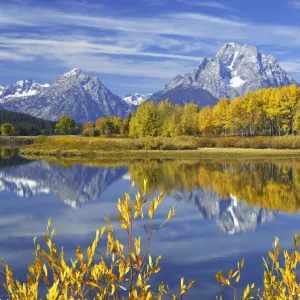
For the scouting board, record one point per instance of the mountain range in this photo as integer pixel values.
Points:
(234, 71)
(83, 97)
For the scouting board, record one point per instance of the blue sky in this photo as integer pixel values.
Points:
(138, 45)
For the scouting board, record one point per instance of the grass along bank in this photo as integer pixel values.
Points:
(177, 147)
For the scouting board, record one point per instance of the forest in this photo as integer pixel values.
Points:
(267, 112)
(26, 125)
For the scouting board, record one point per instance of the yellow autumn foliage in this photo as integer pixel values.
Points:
(280, 280)
(121, 272)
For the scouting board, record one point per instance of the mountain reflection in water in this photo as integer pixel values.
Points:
(239, 195)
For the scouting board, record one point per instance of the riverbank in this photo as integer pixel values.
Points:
(16, 141)
(162, 148)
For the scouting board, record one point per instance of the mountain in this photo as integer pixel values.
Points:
(82, 97)
(21, 89)
(136, 98)
(235, 71)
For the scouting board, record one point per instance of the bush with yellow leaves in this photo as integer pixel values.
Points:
(280, 281)
(122, 272)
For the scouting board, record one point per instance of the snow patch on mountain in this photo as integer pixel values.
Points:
(21, 89)
(136, 98)
(236, 82)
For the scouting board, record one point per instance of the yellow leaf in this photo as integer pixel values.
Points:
(45, 270)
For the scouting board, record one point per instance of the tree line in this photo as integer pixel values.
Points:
(14, 123)
(267, 112)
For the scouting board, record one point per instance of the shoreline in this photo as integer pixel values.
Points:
(201, 153)
(16, 141)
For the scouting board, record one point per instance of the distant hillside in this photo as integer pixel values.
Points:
(26, 124)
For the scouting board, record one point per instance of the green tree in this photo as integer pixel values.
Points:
(112, 125)
(7, 129)
(65, 125)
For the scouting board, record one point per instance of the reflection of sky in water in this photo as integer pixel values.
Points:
(194, 244)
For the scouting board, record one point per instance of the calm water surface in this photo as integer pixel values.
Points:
(226, 210)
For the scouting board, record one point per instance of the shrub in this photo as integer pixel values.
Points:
(41, 139)
(122, 271)
(279, 281)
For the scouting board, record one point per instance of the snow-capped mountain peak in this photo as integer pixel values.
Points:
(136, 98)
(21, 89)
(235, 71)
(82, 97)
(73, 73)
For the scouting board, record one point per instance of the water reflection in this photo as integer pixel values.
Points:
(73, 185)
(239, 195)
(232, 215)
(270, 184)
(216, 201)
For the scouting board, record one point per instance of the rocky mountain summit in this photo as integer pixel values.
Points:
(235, 71)
(82, 97)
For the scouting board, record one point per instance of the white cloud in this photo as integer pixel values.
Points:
(165, 69)
(160, 41)
(212, 4)
(295, 4)
(187, 25)
(7, 55)
(292, 66)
